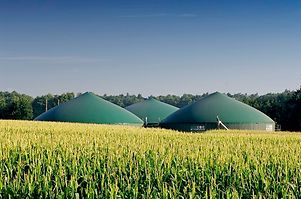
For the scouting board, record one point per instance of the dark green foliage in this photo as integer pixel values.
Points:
(39, 103)
(19, 106)
(15, 106)
(180, 101)
(123, 100)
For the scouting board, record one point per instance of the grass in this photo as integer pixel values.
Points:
(62, 160)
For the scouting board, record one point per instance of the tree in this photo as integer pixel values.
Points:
(296, 113)
(123, 100)
(39, 103)
(2, 104)
(15, 106)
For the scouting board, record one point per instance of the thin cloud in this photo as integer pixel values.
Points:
(50, 59)
(188, 15)
(160, 15)
(146, 15)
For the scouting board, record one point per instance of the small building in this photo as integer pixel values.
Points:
(89, 108)
(151, 111)
(218, 111)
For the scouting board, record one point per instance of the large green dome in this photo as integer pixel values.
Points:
(202, 115)
(89, 108)
(151, 111)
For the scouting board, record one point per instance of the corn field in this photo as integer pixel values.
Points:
(62, 160)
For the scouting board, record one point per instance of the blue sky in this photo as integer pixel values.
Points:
(150, 47)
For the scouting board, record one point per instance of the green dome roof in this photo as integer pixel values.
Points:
(227, 109)
(152, 109)
(89, 108)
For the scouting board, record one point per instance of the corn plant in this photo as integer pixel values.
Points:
(64, 160)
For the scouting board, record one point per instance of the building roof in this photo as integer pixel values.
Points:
(216, 104)
(89, 108)
(152, 109)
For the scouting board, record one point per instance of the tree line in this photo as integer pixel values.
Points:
(284, 108)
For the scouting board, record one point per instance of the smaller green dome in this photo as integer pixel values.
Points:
(89, 108)
(151, 111)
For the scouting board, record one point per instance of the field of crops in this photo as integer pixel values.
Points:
(56, 160)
